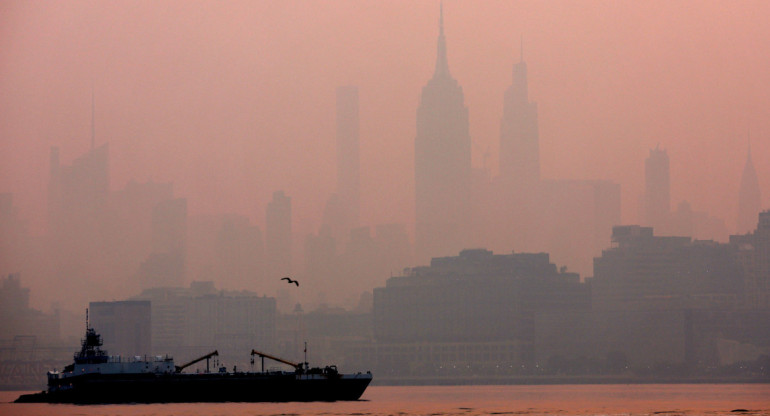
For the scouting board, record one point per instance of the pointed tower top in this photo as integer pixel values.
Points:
(748, 138)
(441, 18)
(442, 66)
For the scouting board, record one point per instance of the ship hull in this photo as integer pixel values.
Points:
(228, 387)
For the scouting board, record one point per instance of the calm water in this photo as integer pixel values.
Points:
(663, 400)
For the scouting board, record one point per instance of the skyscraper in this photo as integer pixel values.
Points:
(519, 137)
(78, 199)
(657, 190)
(278, 236)
(749, 198)
(77, 194)
(341, 213)
(348, 178)
(165, 266)
(442, 162)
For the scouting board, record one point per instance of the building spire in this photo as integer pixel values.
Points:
(442, 65)
(441, 18)
(748, 138)
(521, 49)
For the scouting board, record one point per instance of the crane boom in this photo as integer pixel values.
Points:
(297, 366)
(179, 368)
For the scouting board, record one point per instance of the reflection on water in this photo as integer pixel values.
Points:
(664, 400)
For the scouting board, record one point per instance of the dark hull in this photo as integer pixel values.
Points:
(172, 388)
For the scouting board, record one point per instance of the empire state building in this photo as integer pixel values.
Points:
(442, 163)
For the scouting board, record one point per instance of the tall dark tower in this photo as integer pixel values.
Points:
(442, 163)
(519, 136)
(749, 198)
(657, 190)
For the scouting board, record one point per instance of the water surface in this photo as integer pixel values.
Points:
(631, 399)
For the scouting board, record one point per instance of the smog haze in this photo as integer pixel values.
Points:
(230, 102)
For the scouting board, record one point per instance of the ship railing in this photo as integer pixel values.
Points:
(142, 359)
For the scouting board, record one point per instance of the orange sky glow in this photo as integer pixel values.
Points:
(233, 100)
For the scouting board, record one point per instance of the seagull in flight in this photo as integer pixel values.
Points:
(288, 280)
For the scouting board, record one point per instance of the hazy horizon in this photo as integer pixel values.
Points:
(233, 101)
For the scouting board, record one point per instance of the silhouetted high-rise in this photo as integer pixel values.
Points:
(341, 213)
(165, 266)
(78, 198)
(749, 198)
(278, 236)
(348, 178)
(442, 163)
(519, 137)
(657, 189)
(77, 194)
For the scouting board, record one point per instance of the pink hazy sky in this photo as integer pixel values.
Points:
(233, 100)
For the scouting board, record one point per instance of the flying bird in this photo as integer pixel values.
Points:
(288, 280)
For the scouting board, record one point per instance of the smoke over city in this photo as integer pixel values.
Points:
(219, 147)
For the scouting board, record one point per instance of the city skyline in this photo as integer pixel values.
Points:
(228, 137)
(563, 137)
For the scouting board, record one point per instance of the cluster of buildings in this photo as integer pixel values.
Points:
(105, 243)
(187, 322)
(17, 317)
(29, 338)
(656, 306)
(663, 294)
(457, 206)
(142, 236)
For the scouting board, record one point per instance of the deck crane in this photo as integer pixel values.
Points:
(262, 355)
(206, 357)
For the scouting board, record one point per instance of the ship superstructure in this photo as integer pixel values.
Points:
(96, 377)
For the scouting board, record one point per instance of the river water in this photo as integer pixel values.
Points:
(628, 399)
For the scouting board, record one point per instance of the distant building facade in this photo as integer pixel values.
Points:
(474, 307)
(189, 322)
(666, 301)
(753, 253)
(125, 326)
(644, 271)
